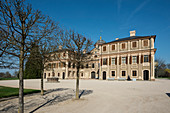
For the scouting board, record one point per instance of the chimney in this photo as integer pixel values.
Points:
(117, 38)
(60, 47)
(132, 33)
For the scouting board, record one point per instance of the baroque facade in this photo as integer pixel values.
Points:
(132, 56)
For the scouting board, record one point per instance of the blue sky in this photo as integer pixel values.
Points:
(113, 18)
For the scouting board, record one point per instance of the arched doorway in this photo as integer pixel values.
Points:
(93, 76)
(145, 75)
(104, 75)
(63, 75)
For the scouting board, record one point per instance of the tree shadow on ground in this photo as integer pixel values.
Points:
(168, 94)
(62, 98)
(53, 90)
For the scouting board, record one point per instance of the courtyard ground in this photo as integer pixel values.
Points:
(97, 96)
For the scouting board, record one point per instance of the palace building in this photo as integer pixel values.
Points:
(131, 56)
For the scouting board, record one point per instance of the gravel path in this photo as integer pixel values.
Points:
(97, 97)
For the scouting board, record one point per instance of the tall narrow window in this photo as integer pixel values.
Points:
(134, 73)
(105, 61)
(87, 65)
(123, 73)
(104, 48)
(113, 61)
(123, 60)
(93, 65)
(134, 59)
(133, 44)
(123, 46)
(113, 47)
(146, 58)
(113, 73)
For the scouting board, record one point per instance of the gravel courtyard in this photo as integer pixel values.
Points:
(97, 96)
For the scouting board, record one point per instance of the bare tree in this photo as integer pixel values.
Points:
(22, 26)
(79, 51)
(160, 67)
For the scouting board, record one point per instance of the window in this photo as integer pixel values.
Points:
(113, 47)
(95, 56)
(82, 66)
(73, 65)
(123, 73)
(134, 59)
(105, 61)
(53, 65)
(104, 48)
(53, 74)
(69, 65)
(113, 61)
(87, 65)
(48, 74)
(145, 43)
(133, 44)
(123, 46)
(58, 74)
(146, 58)
(93, 65)
(64, 54)
(123, 60)
(134, 73)
(82, 74)
(113, 73)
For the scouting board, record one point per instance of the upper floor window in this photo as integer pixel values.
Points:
(73, 65)
(64, 54)
(123, 60)
(87, 65)
(134, 59)
(134, 44)
(104, 48)
(146, 58)
(145, 43)
(113, 61)
(82, 66)
(113, 47)
(93, 65)
(123, 46)
(134, 73)
(69, 65)
(105, 61)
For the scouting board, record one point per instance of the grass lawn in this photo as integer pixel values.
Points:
(164, 78)
(8, 78)
(9, 91)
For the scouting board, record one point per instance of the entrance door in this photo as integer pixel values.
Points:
(93, 76)
(145, 75)
(63, 75)
(104, 75)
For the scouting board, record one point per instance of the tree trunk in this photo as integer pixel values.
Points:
(42, 84)
(77, 83)
(21, 84)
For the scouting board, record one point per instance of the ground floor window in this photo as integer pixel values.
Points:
(113, 73)
(49, 74)
(123, 73)
(58, 74)
(134, 73)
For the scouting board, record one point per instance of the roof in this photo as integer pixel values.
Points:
(130, 38)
